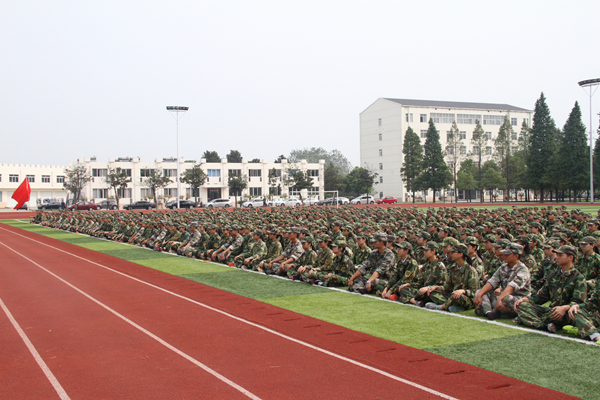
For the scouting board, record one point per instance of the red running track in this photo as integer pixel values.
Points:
(107, 329)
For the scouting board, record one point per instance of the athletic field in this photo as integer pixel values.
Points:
(257, 335)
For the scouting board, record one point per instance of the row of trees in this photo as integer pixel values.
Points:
(542, 162)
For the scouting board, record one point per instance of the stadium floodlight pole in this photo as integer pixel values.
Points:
(592, 84)
(175, 111)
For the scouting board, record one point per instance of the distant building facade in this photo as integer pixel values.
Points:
(46, 182)
(384, 123)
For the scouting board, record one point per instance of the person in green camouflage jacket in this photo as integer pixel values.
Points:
(406, 271)
(341, 267)
(589, 263)
(564, 288)
(274, 250)
(432, 273)
(362, 250)
(458, 291)
(586, 316)
(323, 262)
(547, 267)
(374, 273)
(307, 258)
(257, 251)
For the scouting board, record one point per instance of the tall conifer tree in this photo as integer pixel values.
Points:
(574, 160)
(436, 175)
(412, 164)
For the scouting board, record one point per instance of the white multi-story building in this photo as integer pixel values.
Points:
(216, 186)
(384, 123)
(46, 182)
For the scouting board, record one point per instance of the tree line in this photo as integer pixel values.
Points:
(539, 163)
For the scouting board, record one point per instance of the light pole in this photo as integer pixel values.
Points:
(175, 111)
(592, 84)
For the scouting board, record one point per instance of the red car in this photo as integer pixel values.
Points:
(388, 200)
(83, 205)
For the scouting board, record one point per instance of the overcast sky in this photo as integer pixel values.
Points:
(93, 78)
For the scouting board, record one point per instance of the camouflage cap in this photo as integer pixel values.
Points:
(566, 249)
(512, 248)
(403, 245)
(523, 238)
(491, 238)
(305, 240)
(461, 248)
(339, 243)
(450, 241)
(424, 235)
(503, 243)
(588, 239)
(472, 241)
(257, 233)
(402, 234)
(379, 237)
(294, 230)
(391, 237)
(361, 235)
(234, 227)
(431, 245)
(324, 238)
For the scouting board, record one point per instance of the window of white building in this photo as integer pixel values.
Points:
(423, 118)
(493, 119)
(442, 118)
(45, 178)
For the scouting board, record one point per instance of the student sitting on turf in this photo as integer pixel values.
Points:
(587, 316)
(375, 271)
(432, 273)
(514, 281)
(406, 271)
(564, 288)
(459, 289)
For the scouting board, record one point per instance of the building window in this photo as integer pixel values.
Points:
(450, 150)
(254, 172)
(380, 152)
(60, 179)
(170, 192)
(513, 136)
(526, 120)
(0, 181)
(476, 150)
(146, 193)
(213, 172)
(127, 171)
(448, 135)
(442, 118)
(31, 178)
(45, 178)
(313, 190)
(463, 150)
(493, 119)
(100, 193)
(99, 172)
(234, 172)
(381, 179)
(170, 172)
(313, 172)
(488, 150)
(379, 122)
(13, 178)
(423, 118)
(513, 121)
(423, 134)
(255, 191)
(380, 165)
(381, 195)
(470, 119)
(488, 135)
(515, 149)
(125, 194)
(380, 137)
(463, 135)
(409, 117)
(144, 173)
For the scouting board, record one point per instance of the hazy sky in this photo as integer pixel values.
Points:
(93, 78)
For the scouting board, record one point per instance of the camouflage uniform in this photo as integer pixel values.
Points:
(406, 272)
(431, 274)
(360, 255)
(587, 319)
(464, 278)
(561, 288)
(274, 250)
(323, 263)
(306, 259)
(382, 263)
(518, 277)
(257, 252)
(590, 269)
(342, 270)
(292, 250)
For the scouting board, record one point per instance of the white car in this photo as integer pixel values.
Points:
(291, 202)
(343, 200)
(258, 202)
(219, 203)
(311, 201)
(363, 200)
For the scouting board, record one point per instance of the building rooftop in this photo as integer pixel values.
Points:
(456, 104)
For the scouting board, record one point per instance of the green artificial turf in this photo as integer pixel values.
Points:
(131, 253)
(557, 364)
(179, 265)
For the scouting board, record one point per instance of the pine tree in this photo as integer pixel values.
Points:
(574, 160)
(412, 164)
(454, 146)
(503, 145)
(436, 175)
(596, 162)
(524, 144)
(543, 146)
(479, 144)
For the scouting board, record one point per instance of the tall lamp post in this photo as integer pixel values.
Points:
(592, 84)
(175, 112)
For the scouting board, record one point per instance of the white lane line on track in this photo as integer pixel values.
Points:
(150, 334)
(340, 357)
(53, 381)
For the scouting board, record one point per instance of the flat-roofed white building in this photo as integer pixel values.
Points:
(384, 123)
(46, 182)
(216, 185)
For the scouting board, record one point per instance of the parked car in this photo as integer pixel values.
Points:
(310, 201)
(363, 200)
(140, 205)
(219, 203)
(387, 200)
(83, 205)
(25, 206)
(258, 202)
(106, 204)
(182, 204)
(291, 202)
(51, 205)
(330, 201)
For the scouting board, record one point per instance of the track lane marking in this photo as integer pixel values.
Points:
(340, 357)
(130, 322)
(53, 381)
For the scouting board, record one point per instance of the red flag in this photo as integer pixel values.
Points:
(21, 195)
